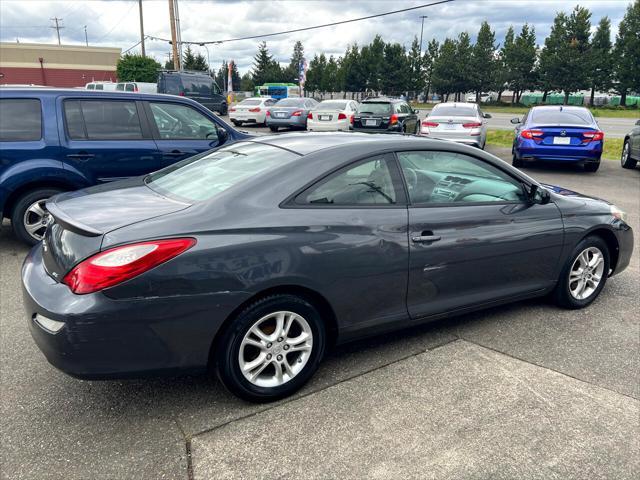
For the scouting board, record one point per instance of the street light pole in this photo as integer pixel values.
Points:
(208, 61)
(421, 29)
(141, 29)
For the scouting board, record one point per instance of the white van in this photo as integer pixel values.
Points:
(139, 87)
(108, 86)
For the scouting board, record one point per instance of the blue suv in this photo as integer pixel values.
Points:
(54, 140)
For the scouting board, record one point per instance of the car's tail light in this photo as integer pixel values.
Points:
(297, 113)
(429, 124)
(393, 119)
(254, 110)
(135, 89)
(268, 113)
(592, 136)
(182, 94)
(232, 109)
(351, 118)
(472, 125)
(120, 264)
(310, 116)
(531, 134)
(342, 116)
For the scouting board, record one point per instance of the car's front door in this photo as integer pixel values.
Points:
(473, 236)
(635, 141)
(106, 139)
(180, 130)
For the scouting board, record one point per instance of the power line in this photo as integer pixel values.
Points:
(309, 28)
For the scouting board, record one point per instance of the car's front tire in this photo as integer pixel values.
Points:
(625, 159)
(584, 274)
(27, 218)
(271, 349)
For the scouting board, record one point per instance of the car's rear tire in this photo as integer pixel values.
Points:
(515, 161)
(271, 349)
(27, 218)
(223, 109)
(273, 129)
(625, 159)
(591, 166)
(236, 123)
(584, 274)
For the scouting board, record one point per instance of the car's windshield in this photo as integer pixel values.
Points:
(449, 111)
(331, 106)
(250, 102)
(376, 108)
(203, 177)
(290, 102)
(565, 117)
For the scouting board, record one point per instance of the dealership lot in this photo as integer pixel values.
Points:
(521, 390)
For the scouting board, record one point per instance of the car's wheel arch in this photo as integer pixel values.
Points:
(607, 235)
(25, 188)
(312, 296)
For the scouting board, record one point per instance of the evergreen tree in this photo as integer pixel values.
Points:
(265, 68)
(398, 69)
(354, 80)
(578, 46)
(221, 76)
(246, 83)
(200, 64)
(330, 76)
(373, 64)
(523, 62)
(291, 73)
(136, 68)
(627, 53)
(553, 62)
(428, 60)
(601, 59)
(502, 75)
(462, 78)
(188, 59)
(415, 80)
(314, 75)
(483, 65)
(445, 69)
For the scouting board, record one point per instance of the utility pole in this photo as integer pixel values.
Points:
(57, 27)
(141, 28)
(421, 29)
(174, 39)
(86, 39)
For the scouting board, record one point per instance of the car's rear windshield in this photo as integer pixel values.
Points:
(382, 108)
(558, 117)
(201, 178)
(447, 111)
(250, 102)
(290, 102)
(331, 106)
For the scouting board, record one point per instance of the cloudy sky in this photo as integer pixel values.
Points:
(116, 22)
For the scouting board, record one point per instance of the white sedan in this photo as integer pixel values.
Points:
(251, 110)
(331, 115)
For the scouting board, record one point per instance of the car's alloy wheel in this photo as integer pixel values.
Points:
(275, 349)
(625, 160)
(271, 348)
(28, 218)
(586, 273)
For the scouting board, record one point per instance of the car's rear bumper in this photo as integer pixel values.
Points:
(318, 126)
(529, 150)
(247, 118)
(107, 338)
(393, 129)
(474, 140)
(287, 122)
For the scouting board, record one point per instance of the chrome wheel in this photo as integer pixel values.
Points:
(586, 273)
(34, 219)
(275, 349)
(625, 152)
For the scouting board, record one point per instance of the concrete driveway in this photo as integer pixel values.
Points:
(521, 391)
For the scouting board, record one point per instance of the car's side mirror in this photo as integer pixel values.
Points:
(538, 195)
(637, 122)
(486, 115)
(223, 135)
(515, 120)
(416, 111)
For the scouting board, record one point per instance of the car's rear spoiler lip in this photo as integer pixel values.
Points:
(70, 224)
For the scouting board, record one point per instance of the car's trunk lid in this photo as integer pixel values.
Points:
(450, 124)
(558, 135)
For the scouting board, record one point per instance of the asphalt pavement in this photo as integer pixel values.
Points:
(520, 391)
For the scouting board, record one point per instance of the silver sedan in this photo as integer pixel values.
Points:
(458, 122)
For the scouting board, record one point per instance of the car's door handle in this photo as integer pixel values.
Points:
(426, 237)
(81, 155)
(175, 153)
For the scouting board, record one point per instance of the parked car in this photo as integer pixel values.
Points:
(255, 258)
(631, 148)
(457, 122)
(558, 134)
(54, 140)
(290, 112)
(251, 110)
(142, 87)
(198, 86)
(106, 86)
(386, 115)
(332, 115)
(484, 97)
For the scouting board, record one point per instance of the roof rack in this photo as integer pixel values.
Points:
(183, 71)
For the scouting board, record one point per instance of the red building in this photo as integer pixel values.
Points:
(56, 65)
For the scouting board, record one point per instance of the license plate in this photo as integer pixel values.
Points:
(562, 140)
(325, 118)
(449, 126)
(280, 114)
(370, 123)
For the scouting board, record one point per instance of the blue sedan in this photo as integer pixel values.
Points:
(558, 134)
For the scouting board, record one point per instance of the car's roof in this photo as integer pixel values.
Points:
(55, 91)
(456, 105)
(305, 143)
(382, 100)
(559, 108)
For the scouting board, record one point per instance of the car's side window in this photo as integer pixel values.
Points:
(102, 120)
(441, 177)
(182, 122)
(21, 120)
(368, 182)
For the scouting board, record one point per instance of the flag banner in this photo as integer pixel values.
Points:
(230, 77)
(302, 72)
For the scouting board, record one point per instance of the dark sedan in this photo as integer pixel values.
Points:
(253, 259)
(384, 115)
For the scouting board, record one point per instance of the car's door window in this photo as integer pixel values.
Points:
(440, 177)
(367, 183)
(269, 102)
(20, 120)
(182, 122)
(130, 87)
(102, 120)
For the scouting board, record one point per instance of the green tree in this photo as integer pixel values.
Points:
(221, 76)
(291, 72)
(428, 60)
(462, 75)
(188, 59)
(314, 75)
(415, 80)
(483, 62)
(601, 59)
(200, 63)
(352, 70)
(627, 53)
(502, 76)
(445, 69)
(373, 64)
(578, 46)
(553, 63)
(136, 68)
(522, 69)
(330, 76)
(246, 83)
(265, 68)
(398, 70)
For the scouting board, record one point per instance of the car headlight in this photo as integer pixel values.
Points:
(619, 214)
